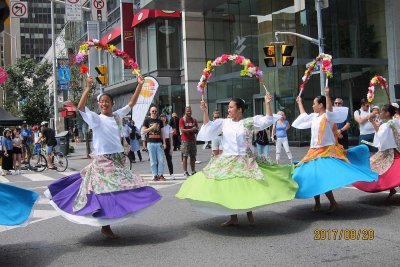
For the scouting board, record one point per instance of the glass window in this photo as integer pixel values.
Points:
(152, 46)
(169, 44)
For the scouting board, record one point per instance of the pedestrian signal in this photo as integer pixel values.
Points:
(270, 59)
(102, 78)
(287, 58)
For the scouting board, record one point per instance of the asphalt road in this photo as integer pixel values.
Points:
(171, 233)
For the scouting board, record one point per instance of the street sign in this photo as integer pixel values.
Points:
(317, 68)
(19, 9)
(73, 10)
(99, 10)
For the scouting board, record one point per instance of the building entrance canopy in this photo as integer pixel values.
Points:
(185, 5)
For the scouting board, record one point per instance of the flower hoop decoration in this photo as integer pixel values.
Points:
(377, 81)
(249, 69)
(83, 53)
(326, 67)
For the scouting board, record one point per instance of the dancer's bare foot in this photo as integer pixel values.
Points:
(332, 208)
(317, 207)
(250, 217)
(108, 233)
(391, 193)
(233, 221)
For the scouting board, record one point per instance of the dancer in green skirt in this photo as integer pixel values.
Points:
(234, 182)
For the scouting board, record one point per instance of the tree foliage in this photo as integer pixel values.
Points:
(27, 94)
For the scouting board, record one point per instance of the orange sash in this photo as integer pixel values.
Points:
(332, 151)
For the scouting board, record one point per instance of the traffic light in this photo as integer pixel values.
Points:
(287, 59)
(270, 59)
(4, 13)
(102, 78)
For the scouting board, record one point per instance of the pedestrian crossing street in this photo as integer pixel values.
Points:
(44, 211)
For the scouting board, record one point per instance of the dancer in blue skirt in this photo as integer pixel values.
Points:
(327, 165)
(16, 205)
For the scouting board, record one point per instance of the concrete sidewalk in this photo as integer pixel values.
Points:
(78, 159)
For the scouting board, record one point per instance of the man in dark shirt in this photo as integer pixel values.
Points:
(176, 135)
(51, 142)
(343, 136)
(155, 140)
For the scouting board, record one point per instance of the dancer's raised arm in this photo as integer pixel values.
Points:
(135, 95)
(85, 95)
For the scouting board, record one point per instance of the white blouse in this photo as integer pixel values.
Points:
(384, 139)
(167, 129)
(234, 133)
(106, 134)
(313, 121)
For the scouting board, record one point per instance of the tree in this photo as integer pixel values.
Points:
(26, 90)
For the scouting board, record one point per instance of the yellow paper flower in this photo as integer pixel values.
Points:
(111, 48)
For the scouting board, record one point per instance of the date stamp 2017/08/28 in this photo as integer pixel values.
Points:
(344, 234)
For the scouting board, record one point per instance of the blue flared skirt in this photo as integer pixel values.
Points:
(16, 205)
(325, 174)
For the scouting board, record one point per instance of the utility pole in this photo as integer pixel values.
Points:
(53, 45)
(319, 41)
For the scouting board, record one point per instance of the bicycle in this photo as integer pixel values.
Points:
(38, 162)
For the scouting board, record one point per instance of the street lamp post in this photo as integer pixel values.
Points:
(53, 45)
(319, 41)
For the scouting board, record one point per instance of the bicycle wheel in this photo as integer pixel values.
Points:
(37, 162)
(60, 161)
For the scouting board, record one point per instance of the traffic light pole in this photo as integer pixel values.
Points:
(319, 42)
(53, 44)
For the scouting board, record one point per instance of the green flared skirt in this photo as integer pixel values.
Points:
(241, 194)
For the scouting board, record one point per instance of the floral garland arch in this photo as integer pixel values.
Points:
(249, 69)
(83, 53)
(377, 80)
(326, 67)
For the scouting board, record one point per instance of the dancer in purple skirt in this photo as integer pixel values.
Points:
(105, 192)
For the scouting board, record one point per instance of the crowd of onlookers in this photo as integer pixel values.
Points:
(18, 143)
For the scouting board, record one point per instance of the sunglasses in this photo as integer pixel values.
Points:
(154, 111)
(338, 103)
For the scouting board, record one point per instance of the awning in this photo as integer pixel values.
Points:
(68, 110)
(145, 14)
(111, 35)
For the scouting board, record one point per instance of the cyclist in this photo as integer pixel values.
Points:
(51, 142)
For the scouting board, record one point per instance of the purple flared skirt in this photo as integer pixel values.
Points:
(100, 209)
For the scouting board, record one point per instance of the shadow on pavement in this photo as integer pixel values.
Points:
(347, 210)
(266, 224)
(379, 200)
(32, 254)
(135, 235)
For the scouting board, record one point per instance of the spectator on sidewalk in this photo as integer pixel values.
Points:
(343, 136)
(367, 131)
(27, 137)
(125, 131)
(51, 142)
(216, 143)
(174, 123)
(169, 142)
(134, 141)
(7, 147)
(155, 140)
(17, 150)
(262, 144)
(279, 135)
(75, 131)
(189, 128)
